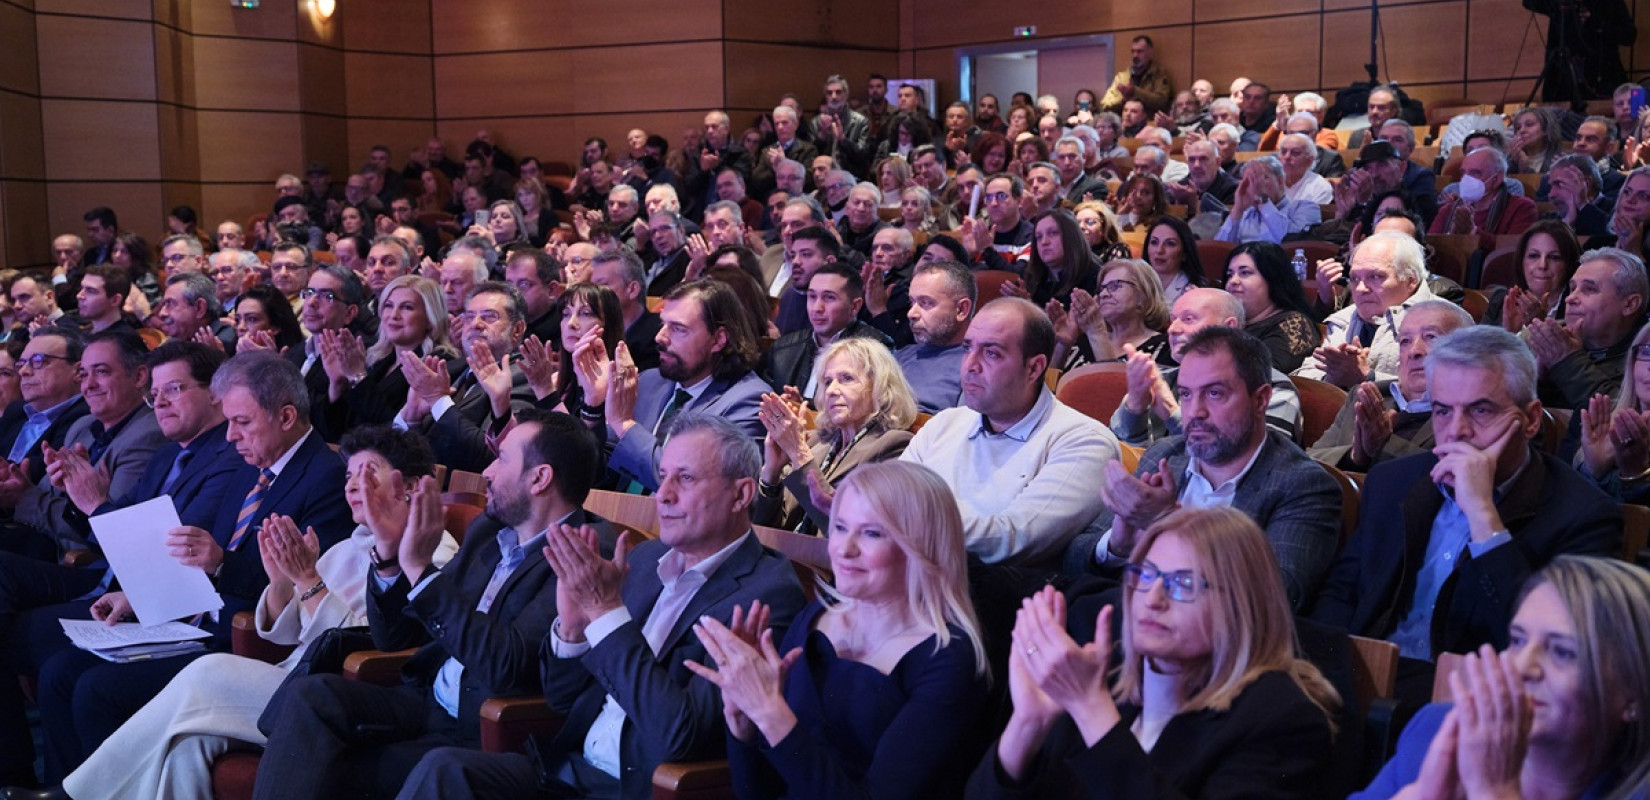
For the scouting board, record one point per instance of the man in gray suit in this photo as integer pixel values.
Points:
(613, 660)
(707, 352)
(1226, 457)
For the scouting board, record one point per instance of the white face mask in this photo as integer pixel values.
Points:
(1472, 189)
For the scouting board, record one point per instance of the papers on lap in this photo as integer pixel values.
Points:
(129, 641)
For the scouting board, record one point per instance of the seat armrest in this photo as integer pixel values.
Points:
(698, 780)
(508, 722)
(376, 666)
(244, 641)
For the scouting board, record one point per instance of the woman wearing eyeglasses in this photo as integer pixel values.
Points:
(1210, 700)
(1562, 713)
(1127, 309)
(412, 317)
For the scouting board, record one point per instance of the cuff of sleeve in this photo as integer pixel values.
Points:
(423, 581)
(1478, 549)
(605, 624)
(440, 407)
(1102, 550)
(563, 648)
(399, 424)
(382, 583)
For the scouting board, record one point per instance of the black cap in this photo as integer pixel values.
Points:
(1378, 150)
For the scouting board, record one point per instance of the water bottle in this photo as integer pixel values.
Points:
(1300, 264)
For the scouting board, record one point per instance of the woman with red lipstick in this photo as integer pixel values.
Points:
(1210, 701)
(1548, 255)
(1562, 713)
(865, 406)
(412, 316)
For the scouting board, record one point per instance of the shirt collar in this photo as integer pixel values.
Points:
(51, 413)
(697, 389)
(1420, 405)
(1195, 467)
(101, 433)
(674, 565)
(280, 463)
(1021, 431)
(509, 539)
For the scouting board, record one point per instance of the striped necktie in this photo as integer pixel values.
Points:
(249, 509)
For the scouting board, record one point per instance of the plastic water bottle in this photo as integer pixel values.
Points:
(1300, 264)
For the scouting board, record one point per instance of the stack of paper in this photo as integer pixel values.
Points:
(129, 641)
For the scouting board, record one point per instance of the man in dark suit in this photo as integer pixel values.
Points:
(194, 468)
(841, 132)
(51, 401)
(337, 300)
(785, 145)
(670, 252)
(289, 471)
(622, 271)
(1447, 538)
(717, 152)
(478, 623)
(456, 412)
(706, 354)
(613, 661)
(1227, 456)
(835, 295)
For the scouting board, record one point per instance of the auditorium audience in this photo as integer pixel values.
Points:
(1548, 255)
(1126, 310)
(1171, 249)
(1585, 353)
(1360, 343)
(1275, 310)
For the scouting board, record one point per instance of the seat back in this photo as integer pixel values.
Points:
(1374, 669)
(1213, 254)
(1475, 303)
(989, 283)
(1445, 666)
(471, 482)
(635, 511)
(1095, 389)
(1320, 402)
(1500, 268)
(1315, 251)
(1635, 533)
(1451, 255)
(1351, 500)
(807, 553)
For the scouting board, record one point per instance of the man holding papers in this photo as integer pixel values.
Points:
(286, 470)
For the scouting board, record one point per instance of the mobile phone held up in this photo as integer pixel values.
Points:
(481, 217)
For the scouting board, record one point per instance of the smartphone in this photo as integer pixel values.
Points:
(1637, 101)
(481, 217)
(1083, 106)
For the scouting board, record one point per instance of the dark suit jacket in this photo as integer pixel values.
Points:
(674, 271)
(379, 397)
(642, 339)
(671, 715)
(11, 424)
(330, 419)
(762, 180)
(460, 436)
(1273, 742)
(499, 649)
(636, 454)
(790, 361)
(126, 456)
(202, 485)
(1550, 510)
(795, 502)
(310, 489)
(1285, 492)
(1411, 434)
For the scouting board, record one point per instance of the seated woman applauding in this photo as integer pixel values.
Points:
(1210, 700)
(1564, 713)
(865, 406)
(166, 750)
(878, 689)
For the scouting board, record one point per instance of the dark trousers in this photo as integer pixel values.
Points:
(453, 773)
(334, 737)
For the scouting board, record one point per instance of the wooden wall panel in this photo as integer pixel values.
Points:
(174, 66)
(854, 23)
(22, 153)
(387, 26)
(234, 201)
(322, 80)
(180, 143)
(1495, 31)
(1174, 51)
(314, 30)
(96, 58)
(246, 146)
(1221, 46)
(326, 139)
(19, 59)
(1436, 57)
(1217, 10)
(27, 235)
(137, 206)
(400, 136)
(482, 26)
(275, 19)
(802, 70)
(100, 140)
(388, 85)
(474, 86)
(648, 77)
(246, 74)
(126, 9)
(945, 23)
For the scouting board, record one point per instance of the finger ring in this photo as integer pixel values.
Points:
(1031, 651)
(191, 552)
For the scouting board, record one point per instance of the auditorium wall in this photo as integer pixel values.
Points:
(145, 104)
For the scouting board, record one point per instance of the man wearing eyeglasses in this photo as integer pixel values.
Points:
(182, 252)
(1225, 456)
(1011, 241)
(193, 466)
(51, 399)
(189, 306)
(1447, 538)
(332, 301)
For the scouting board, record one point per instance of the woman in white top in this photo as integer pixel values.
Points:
(166, 750)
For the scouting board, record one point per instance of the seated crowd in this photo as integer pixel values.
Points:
(1121, 424)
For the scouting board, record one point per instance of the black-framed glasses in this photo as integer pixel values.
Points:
(1113, 287)
(39, 360)
(1641, 352)
(1182, 586)
(325, 294)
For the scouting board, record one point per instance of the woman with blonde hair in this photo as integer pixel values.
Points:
(893, 174)
(916, 210)
(412, 317)
(1563, 712)
(1615, 435)
(879, 687)
(865, 406)
(1127, 308)
(1101, 231)
(1210, 699)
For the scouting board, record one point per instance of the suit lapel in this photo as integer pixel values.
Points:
(723, 582)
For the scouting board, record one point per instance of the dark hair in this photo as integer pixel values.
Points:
(827, 243)
(566, 446)
(1035, 142)
(952, 246)
(138, 248)
(957, 274)
(102, 215)
(129, 347)
(514, 307)
(288, 245)
(598, 141)
(278, 309)
(856, 284)
(352, 291)
(116, 281)
(1076, 263)
(1191, 264)
(1375, 202)
(407, 451)
(203, 361)
(1143, 38)
(184, 214)
(606, 305)
(752, 297)
(1252, 359)
(544, 267)
(917, 126)
(362, 244)
(1568, 247)
(1160, 199)
(74, 344)
(1272, 262)
(748, 262)
(720, 309)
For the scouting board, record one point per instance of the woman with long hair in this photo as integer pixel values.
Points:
(1100, 230)
(879, 687)
(264, 320)
(438, 192)
(1548, 255)
(367, 381)
(1171, 249)
(1141, 202)
(865, 406)
(893, 174)
(537, 220)
(1615, 434)
(1210, 700)
(1562, 713)
(1275, 309)
(1061, 260)
(1536, 140)
(590, 317)
(131, 253)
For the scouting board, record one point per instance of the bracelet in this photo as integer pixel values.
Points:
(768, 489)
(313, 590)
(380, 564)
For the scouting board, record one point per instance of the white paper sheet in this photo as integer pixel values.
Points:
(159, 588)
(93, 635)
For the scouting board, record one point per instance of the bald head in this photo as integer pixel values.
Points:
(1198, 309)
